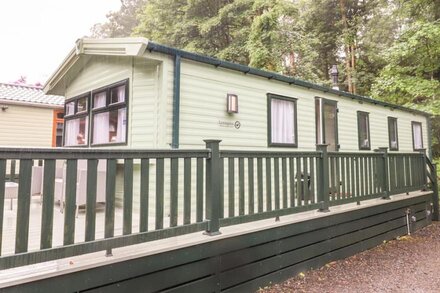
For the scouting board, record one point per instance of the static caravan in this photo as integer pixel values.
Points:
(133, 93)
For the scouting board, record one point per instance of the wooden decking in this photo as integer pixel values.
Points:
(10, 220)
(72, 264)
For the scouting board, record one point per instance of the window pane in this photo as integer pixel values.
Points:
(82, 105)
(99, 100)
(70, 108)
(101, 128)
(109, 127)
(117, 94)
(364, 140)
(393, 134)
(282, 116)
(76, 132)
(417, 132)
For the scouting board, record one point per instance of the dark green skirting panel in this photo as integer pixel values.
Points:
(250, 261)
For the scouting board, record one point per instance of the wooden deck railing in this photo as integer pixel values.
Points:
(184, 191)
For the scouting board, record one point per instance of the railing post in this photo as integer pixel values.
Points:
(435, 198)
(213, 187)
(323, 180)
(425, 173)
(386, 174)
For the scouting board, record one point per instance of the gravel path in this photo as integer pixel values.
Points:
(407, 264)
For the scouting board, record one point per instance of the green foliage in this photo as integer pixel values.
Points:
(119, 23)
(412, 73)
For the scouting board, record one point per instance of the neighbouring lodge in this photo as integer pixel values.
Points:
(133, 93)
(30, 118)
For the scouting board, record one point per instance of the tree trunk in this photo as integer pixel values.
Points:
(353, 66)
(347, 47)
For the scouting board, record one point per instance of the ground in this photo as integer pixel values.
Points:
(407, 264)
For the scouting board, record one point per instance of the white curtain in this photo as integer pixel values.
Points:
(70, 108)
(121, 93)
(72, 130)
(101, 128)
(122, 125)
(282, 114)
(417, 130)
(99, 100)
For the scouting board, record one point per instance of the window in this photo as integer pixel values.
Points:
(76, 121)
(282, 127)
(57, 128)
(364, 131)
(109, 114)
(417, 135)
(392, 134)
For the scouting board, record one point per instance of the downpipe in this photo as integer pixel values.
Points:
(409, 220)
(408, 211)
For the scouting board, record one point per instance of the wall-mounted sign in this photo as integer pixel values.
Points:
(229, 124)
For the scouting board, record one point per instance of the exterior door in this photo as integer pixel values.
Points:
(327, 123)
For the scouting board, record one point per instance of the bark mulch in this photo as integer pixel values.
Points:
(406, 264)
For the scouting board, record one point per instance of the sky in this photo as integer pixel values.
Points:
(36, 35)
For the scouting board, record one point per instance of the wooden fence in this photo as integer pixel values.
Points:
(185, 191)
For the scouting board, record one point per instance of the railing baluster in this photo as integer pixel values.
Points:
(144, 195)
(199, 195)
(356, 163)
(276, 167)
(23, 206)
(48, 203)
(407, 173)
(374, 175)
(231, 187)
(128, 197)
(222, 188)
(299, 189)
(312, 179)
(110, 191)
(332, 177)
(12, 173)
(159, 193)
(268, 185)
(251, 203)
(343, 170)
(362, 176)
(70, 200)
(241, 186)
(338, 183)
(284, 180)
(187, 191)
(174, 192)
(260, 184)
(392, 173)
(306, 181)
(349, 176)
(292, 181)
(2, 197)
(368, 175)
(92, 177)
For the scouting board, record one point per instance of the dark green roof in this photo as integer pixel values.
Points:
(272, 75)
